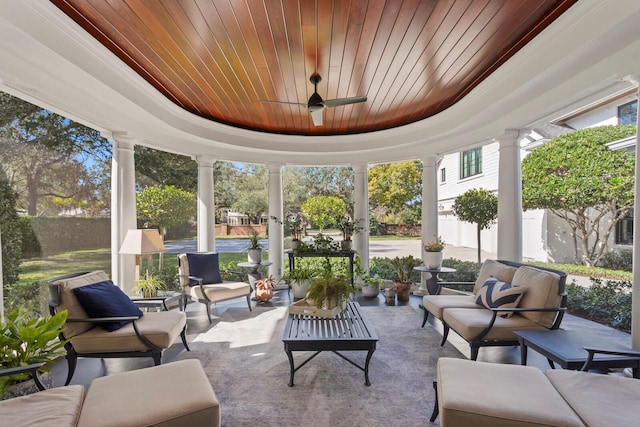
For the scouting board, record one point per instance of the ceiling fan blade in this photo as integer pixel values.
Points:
(317, 115)
(283, 102)
(344, 101)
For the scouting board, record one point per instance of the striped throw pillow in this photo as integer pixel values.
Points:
(497, 294)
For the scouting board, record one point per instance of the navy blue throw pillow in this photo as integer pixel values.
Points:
(104, 299)
(205, 266)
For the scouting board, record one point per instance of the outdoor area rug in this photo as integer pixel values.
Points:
(243, 356)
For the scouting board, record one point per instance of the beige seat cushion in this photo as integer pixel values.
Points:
(482, 394)
(220, 291)
(57, 407)
(600, 400)
(161, 328)
(470, 323)
(175, 394)
(69, 302)
(435, 304)
(543, 289)
(500, 271)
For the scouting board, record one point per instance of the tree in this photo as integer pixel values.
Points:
(477, 206)
(324, 210)
(165, 207)
(586, 184)
(300, 183)
(396, 188)
(45, 156)
(252, 193)
(156, 167)
(10, 233)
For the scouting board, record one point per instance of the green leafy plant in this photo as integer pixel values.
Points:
(294, 223)
(330, 291)
(607, 302)
(25, 340)
(254, 241)
(349, 227)
(148, 288)
(403, 267)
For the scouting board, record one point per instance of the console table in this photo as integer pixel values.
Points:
(313, 254)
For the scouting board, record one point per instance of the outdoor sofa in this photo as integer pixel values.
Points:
(507, 296)
(175, 394)
(483, 394)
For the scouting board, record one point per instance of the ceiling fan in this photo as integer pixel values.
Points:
(316, 104)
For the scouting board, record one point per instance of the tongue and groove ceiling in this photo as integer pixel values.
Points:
(220, 59)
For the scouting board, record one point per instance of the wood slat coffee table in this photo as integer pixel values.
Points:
(349, 331)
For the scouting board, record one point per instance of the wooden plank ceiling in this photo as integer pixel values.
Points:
(221, 58)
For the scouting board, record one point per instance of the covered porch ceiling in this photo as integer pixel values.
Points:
(440, 76)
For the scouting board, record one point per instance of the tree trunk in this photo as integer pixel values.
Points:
(479, 244)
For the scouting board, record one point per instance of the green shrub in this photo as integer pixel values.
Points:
(607, 302)
(32, 297)
(30, 244)
(618, 260)
(11, 235)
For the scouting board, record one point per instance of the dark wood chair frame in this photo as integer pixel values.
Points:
(152, 350)
(479, 340)
(26, 369)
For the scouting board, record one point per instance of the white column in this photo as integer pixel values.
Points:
(510, 198)
(635, 296)
(429, 199)
(206, 206)
(123, 208)
(361, 212)
(429, 209)
(275, 229)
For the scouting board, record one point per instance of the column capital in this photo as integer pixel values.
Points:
(205, 161)
(429, 160)
(360, 167)
(125, 141)
(275, 167)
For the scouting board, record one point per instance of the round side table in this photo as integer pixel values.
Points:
(433, 281)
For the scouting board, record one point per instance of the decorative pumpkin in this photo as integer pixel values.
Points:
(264, 289)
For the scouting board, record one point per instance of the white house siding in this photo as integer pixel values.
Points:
(451, 230)
(545, 236)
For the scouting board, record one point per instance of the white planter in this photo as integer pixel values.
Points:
(254, 256)
(433, 259)
(370, 290)
(300, 289)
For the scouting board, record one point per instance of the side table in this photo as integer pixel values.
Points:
(254, 274)
(163, 301)
(433, 281)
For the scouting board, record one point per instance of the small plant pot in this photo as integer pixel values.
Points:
(295, 244)
(264, 295)
(300, 289)
(254, 256)
(403, 290)
(345, 245)
(433, 259)
(390, 298)
(370, 290)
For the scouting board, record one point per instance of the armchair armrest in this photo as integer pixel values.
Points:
(27, 369)
(496, 311)
(103, 319)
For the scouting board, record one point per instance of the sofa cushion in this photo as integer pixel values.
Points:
(435, 304)
(470, 323)
(104, 299)
(58, 407)
(543, 288)
(174, 394)
(483, 394)
(221, 291)
(497, 294)
(500, 271)
(600, 400)
(204, 266)
(69, 302)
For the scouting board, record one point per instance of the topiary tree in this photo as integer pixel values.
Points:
(583, 182)
(165, 207)
(478, 206)
(324, 210)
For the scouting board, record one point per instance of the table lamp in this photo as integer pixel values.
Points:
(143, 244)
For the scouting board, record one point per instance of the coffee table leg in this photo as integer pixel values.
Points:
(290, 356)
(523, 352)
(366, 367)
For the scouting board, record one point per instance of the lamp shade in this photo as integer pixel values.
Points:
(142, 242)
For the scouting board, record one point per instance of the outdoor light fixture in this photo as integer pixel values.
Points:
(142, 243)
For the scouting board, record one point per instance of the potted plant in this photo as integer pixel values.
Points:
(264, 288)
(254, 254)
(349, 227)
(25, 341)
(299, 280)
(403, 267)
(370, 285)
(433, 256)
(148, 288)
(296, 225)
(330, 291)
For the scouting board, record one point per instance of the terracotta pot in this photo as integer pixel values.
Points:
(403, 290)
